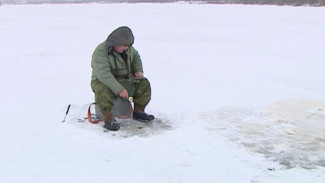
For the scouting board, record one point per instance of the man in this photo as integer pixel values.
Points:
(113, 61)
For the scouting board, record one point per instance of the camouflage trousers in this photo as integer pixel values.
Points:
(104, 97)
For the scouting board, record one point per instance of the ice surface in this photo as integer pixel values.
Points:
(290, 132)
(243, 88)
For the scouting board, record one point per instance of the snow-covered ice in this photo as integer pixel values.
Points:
(241, 89)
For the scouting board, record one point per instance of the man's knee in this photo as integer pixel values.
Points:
(142, 92)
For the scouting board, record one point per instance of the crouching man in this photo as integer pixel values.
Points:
(116, 67)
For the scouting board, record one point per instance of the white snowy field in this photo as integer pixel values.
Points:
(243, 88)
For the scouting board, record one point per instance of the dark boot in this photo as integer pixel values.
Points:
(113, 126)
(140, 115)
(110, 122)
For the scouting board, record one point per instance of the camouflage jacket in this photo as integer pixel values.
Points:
(108, 67)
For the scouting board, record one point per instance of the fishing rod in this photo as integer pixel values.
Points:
(66, 113)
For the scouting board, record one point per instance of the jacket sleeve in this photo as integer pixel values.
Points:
(102, 69)
(137, 63)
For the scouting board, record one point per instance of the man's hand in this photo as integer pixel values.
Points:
(138, 74)
(124, 94)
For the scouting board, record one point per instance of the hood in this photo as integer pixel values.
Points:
(121, 36)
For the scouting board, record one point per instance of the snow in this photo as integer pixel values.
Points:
(242, 88)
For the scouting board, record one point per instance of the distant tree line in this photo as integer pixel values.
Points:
(266, 2)
(273, 2)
